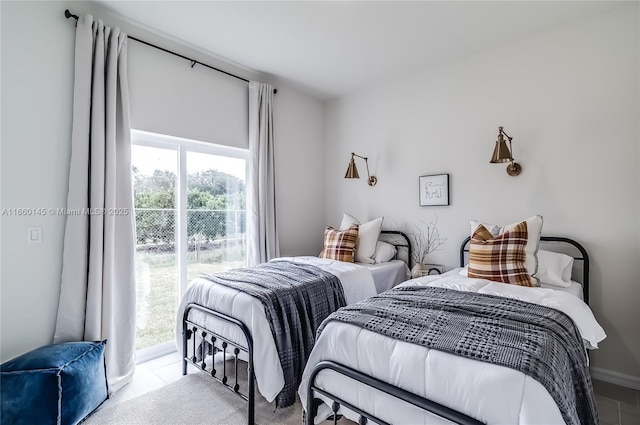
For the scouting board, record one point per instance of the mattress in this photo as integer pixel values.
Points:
(357, 281)
(491, 393)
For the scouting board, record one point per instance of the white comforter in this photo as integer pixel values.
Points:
(356, 282)
(493, 394)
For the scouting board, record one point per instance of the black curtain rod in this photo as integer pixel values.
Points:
(194, 62)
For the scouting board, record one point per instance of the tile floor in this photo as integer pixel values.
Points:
(616, 405)
(149, 376)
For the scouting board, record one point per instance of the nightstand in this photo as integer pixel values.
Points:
(420, 270)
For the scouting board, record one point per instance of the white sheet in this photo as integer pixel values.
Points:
(357, 283)
(574, 289)
(493, 394)
(389, 274)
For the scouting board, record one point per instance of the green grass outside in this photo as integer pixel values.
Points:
(158, 289)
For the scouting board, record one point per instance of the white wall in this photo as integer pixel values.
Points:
(299, 151)
(37, 81)
(37, 88)
(570, 100)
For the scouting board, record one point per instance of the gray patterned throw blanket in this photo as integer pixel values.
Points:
(296, 298)
(541, 342)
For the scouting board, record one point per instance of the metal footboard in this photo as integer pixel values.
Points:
(399, 393)
(200, 337)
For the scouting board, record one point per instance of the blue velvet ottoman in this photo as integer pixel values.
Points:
(56, 384)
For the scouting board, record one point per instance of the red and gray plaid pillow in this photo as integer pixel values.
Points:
(501, 258)
(340, 244)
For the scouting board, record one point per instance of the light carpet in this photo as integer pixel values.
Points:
(193, 399)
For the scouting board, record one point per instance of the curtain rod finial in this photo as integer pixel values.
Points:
(68, 14)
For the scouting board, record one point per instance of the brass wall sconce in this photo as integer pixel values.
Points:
(502, 153)
(352, 171)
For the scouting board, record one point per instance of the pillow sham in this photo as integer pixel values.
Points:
(501, 258)
(340, 244)
(384, 252)
(554, 268)
(368, 234)
(533, 233)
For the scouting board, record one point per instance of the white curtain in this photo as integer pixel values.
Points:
(262, 234)
(98, 296)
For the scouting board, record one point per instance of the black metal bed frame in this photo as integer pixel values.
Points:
(191, 329)
(424, 403)
(201, 337)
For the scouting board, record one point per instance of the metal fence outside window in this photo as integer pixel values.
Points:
(206, 229)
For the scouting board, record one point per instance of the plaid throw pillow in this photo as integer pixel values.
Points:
(340, 244)
(534, 229)
(501, 258)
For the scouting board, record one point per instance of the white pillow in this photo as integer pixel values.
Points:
(554, 268)
(367, 237)
(384, 252)
(534, 230)
(494, 229)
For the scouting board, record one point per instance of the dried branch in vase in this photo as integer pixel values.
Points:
(425, 238)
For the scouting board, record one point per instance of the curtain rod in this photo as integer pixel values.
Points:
(194, 62)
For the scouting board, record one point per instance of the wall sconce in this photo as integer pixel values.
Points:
(502, 153)
(352, 171)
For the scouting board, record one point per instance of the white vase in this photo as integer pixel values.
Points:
(419, 270)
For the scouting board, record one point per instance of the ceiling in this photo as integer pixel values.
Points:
(332, 48)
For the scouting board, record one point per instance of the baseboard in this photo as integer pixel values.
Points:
(617, 378)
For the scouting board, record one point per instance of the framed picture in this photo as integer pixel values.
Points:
(434, 190)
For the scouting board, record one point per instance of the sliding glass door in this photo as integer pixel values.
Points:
(215, 213)
(190, 219)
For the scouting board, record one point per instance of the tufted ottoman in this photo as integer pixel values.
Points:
(54, 384)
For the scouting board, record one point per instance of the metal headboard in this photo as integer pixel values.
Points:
(584, 257)
(399, 240)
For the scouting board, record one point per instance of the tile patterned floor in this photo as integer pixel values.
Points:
(150, 376)
(616, 405)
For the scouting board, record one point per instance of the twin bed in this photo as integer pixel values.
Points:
(235, 324)
(366, 365)
(383, 379)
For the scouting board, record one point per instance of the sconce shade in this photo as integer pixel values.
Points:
(352, 171)
(501, 152)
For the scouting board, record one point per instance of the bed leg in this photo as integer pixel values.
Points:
(186, 334)
(251, 390)
(312, 408)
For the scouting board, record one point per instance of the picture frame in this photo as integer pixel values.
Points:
(434, 190)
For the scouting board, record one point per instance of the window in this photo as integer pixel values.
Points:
(190, 202)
